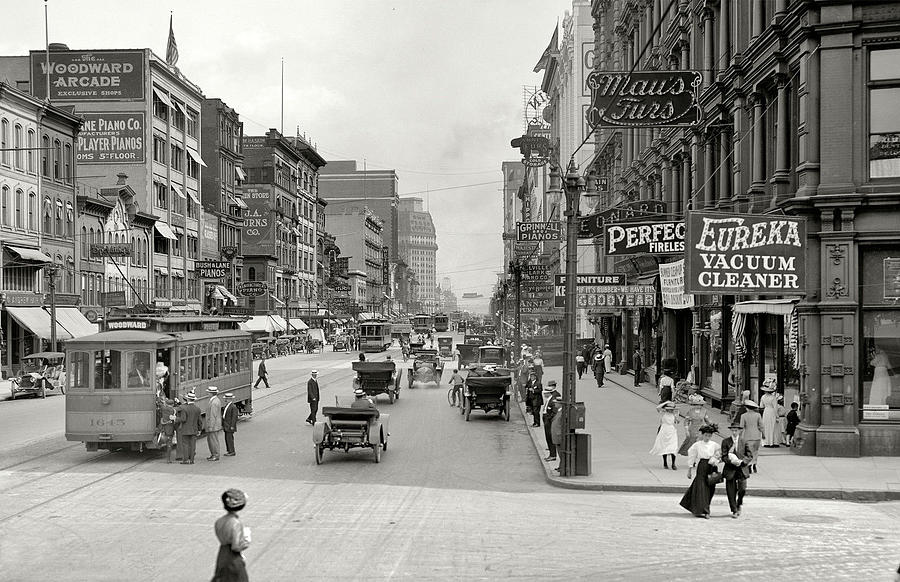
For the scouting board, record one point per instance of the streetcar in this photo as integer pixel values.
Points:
(374, 335)
(114, 377)
(422, 323)
(441, 322)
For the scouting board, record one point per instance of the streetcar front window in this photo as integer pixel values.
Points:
(78, 375)
(108, 370)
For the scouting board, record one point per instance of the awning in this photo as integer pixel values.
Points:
(277, 301)
(237, 202)
(240, 173)
(193, 196)
(178, 274)
(177, 189)
(164, 230)
(29, 254)
(74, 322)
(37, 320)
(297, 323)
(181, 108)
(195, 156)
(279, 321)
(162, 96)
(161, 270)
(178, 230)
(265, 323)
(221, 293)
(773, 306)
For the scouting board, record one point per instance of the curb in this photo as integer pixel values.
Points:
(855, 495)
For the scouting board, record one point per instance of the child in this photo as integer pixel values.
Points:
(793, 419)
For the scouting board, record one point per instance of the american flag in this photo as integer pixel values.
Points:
(172, 48)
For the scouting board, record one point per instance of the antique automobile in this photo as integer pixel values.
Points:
(347, 428)
(427, 367)
(493, 355)
(284, 345)
(488, 390)
(445, 346)
(41, 372)
(467, 354)
(263, 346)
(378, 378)
(341, 344)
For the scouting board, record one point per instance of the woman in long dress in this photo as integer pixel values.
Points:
(881, 379)
(233, 537)
(666, 443)
(696, 416)
(769, 402)
(704, 456)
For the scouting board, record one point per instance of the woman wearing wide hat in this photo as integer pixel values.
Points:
(696, 416)
(703, 459)
(769, 404)
(666, 443)
(233, 537)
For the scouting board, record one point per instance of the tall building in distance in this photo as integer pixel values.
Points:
(418, 248)
(358, 233)
(342, 184)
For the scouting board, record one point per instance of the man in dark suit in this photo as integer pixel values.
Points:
(737, 454)
(229, 423)
(312, 396)
(191, 427)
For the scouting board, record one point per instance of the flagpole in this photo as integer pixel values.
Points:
(47, 48)
(282, 95)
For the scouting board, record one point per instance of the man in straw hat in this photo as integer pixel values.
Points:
(312, 396)
(191, 425)
(551, 409)
(229, 423)
(737, 456)
(752, 425)
(213, 423)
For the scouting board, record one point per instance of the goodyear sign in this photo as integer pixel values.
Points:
(605, 291)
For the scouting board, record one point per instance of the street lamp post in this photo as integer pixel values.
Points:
(573, 187)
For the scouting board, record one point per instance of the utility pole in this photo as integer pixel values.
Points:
(51, 275)
(517, 281)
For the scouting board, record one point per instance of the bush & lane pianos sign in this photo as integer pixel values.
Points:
(744, 254)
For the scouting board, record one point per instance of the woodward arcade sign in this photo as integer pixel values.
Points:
(89, 75)
(644, 98)
(657, 238)
(745, 254)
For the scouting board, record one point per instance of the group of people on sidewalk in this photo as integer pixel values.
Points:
(598, 358)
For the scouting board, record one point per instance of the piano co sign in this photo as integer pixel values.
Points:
(644, 98)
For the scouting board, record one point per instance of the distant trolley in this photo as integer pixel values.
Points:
(442, 322)
(374, 336)
(422, 323)
(112, 383)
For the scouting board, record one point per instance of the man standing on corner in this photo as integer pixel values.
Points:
(312, 396)
(261, 373)
(229, 423)
(213, 423)
(637, 364)
(191, 427)
(737, 455)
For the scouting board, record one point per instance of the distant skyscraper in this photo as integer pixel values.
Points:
(418, 247)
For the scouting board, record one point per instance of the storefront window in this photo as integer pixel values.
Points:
(881, 363)
(713, 356)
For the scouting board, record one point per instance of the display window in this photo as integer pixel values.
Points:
(880, 365)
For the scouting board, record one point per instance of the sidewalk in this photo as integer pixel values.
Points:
(622, 421)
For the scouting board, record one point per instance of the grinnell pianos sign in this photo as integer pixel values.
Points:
(745, 254)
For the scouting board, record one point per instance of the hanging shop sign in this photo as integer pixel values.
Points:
(97, 250)
(212, 269)
(671, 284)
(252, 288)
(604, 290)
(111, 138)
(657, 238)
(591, 226)
(644, 98)
(744, 254)
(538, 231)
(535, 149)
(113, 299)
(385, 266)
(89, 75)
(525, 249)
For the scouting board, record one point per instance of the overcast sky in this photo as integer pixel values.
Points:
(432, 89)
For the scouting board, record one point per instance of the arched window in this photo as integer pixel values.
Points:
(32, 211)
(90, 240)
(70, 220)
(4, 205)
(20, 158)
(57, 158)
(4, 141)
(45, 152)
(251, 274)
(31, 151)
(20, 209)
(60, 230)
(85, 243)
(68, 161)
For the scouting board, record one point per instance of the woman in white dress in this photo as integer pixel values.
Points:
(769, 402)
(881, 379)
(666, 443)
(703, 457)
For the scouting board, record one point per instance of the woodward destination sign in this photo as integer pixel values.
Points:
(657, 238)
(745, 254)
(644, 98)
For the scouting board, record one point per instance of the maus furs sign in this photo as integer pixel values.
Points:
(745, 254)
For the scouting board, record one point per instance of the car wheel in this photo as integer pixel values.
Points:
(506, 411)
(43, 392)
(377, 449)
(320, 453)
(390, 396)
(468, 409)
